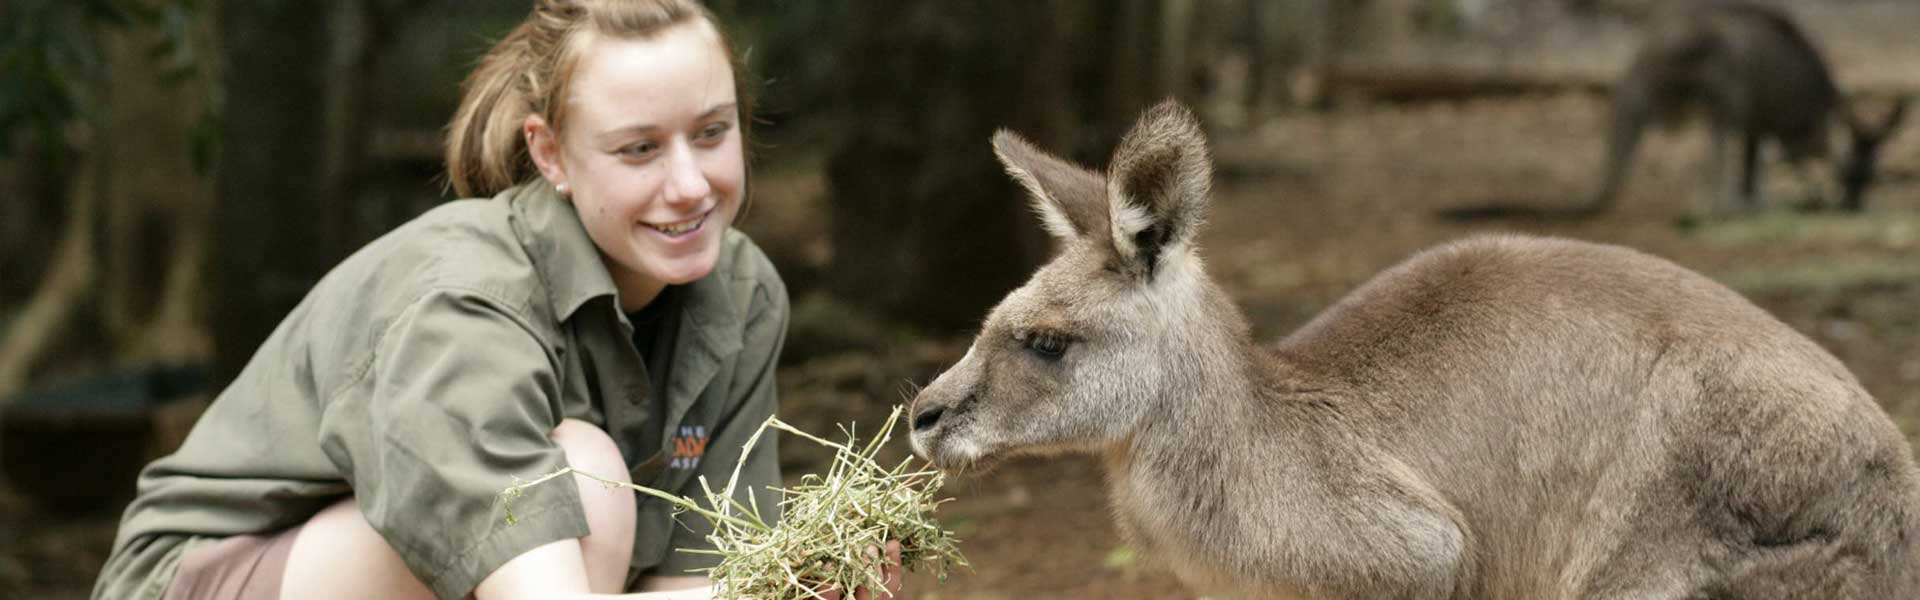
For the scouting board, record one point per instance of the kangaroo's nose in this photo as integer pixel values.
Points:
(926, 419)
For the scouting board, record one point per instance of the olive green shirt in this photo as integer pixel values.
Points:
(424, 374)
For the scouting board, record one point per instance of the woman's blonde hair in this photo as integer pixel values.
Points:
(528, 72)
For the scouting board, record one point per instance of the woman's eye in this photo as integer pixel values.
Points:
(1047, 345)
(640, 150)
(714, 131)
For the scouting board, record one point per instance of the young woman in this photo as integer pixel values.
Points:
(596, 312)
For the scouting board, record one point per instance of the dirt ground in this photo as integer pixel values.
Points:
(1306, 208)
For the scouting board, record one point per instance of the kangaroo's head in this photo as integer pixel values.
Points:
(1863, 151)
(1111, 327)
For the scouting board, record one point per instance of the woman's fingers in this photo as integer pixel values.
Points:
(894, 572)
(890, 572)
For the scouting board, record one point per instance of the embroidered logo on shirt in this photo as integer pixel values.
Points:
(688, 446)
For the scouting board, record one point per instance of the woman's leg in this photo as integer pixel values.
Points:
(610, 511)
(338, 555)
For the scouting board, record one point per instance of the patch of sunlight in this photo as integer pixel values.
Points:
(1909, 425)
(1824, 275)
(1120, 558)
(1886, 229)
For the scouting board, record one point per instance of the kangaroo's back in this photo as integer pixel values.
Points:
(1555, 299)
(1632, 403)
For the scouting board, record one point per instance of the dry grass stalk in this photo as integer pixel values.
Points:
(831, 527)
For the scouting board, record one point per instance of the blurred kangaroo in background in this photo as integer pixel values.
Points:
(1756, 77)
(1497, 418)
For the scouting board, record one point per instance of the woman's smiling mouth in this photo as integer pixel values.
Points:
(681, 228)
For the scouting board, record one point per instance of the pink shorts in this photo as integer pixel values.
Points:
(242, 567)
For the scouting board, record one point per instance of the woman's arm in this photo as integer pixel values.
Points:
(669, 583)
(456, 399)
(556, 571)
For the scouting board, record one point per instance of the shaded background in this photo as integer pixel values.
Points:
(177, 173)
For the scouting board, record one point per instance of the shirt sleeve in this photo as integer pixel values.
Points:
(457, 401)
(754, 401)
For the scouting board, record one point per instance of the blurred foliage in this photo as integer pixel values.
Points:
(789, 49)
(54, 55)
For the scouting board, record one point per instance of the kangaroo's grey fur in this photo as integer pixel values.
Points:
(1498, 418)
(1756, 77)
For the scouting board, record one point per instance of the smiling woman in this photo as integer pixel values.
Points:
(651, 157)
(598, 312)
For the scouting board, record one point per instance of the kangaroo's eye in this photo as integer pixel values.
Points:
(1047, 344)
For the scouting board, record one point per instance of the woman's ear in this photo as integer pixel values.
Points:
(543, 146)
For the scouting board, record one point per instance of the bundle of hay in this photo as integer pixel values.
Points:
(832, 527)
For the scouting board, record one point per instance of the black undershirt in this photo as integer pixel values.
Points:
(655, 328)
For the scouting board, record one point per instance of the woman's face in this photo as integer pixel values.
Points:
(651, 154)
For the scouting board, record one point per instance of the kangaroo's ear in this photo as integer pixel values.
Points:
(1067, 196)
(1158, 187)
(1878, 130)
(1895, 116)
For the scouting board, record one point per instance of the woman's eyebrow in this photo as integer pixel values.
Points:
(718, 109)
(644, 128)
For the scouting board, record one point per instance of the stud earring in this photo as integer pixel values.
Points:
(561, 188)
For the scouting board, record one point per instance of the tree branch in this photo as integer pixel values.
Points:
(74, 270)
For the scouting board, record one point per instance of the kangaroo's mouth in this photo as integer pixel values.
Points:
(949, 454)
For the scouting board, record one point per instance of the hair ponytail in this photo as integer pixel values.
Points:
(485, 151)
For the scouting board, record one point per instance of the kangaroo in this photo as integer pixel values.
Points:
(1755, 75)
(1501, 417)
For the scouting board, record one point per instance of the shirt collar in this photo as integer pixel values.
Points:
(714, 309)
(562, 253)
(569, 263)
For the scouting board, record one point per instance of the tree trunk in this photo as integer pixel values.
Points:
(1283, 37)
(295, 146)
(1173, 61)
(1131, 73)
(926, 226)
(272, 189)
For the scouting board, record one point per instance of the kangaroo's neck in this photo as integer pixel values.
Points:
(1224, 394)
(1229, 463)
(1214, 380)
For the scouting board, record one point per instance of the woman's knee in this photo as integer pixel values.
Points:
(589, 449)
(337, 554)
(610, 510)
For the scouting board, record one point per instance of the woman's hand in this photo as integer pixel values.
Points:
(890, 571)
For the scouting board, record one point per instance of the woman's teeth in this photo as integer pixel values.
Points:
(680, 227)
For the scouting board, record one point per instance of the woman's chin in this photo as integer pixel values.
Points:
(684, 270)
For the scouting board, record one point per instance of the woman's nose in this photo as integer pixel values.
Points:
(685, 180)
